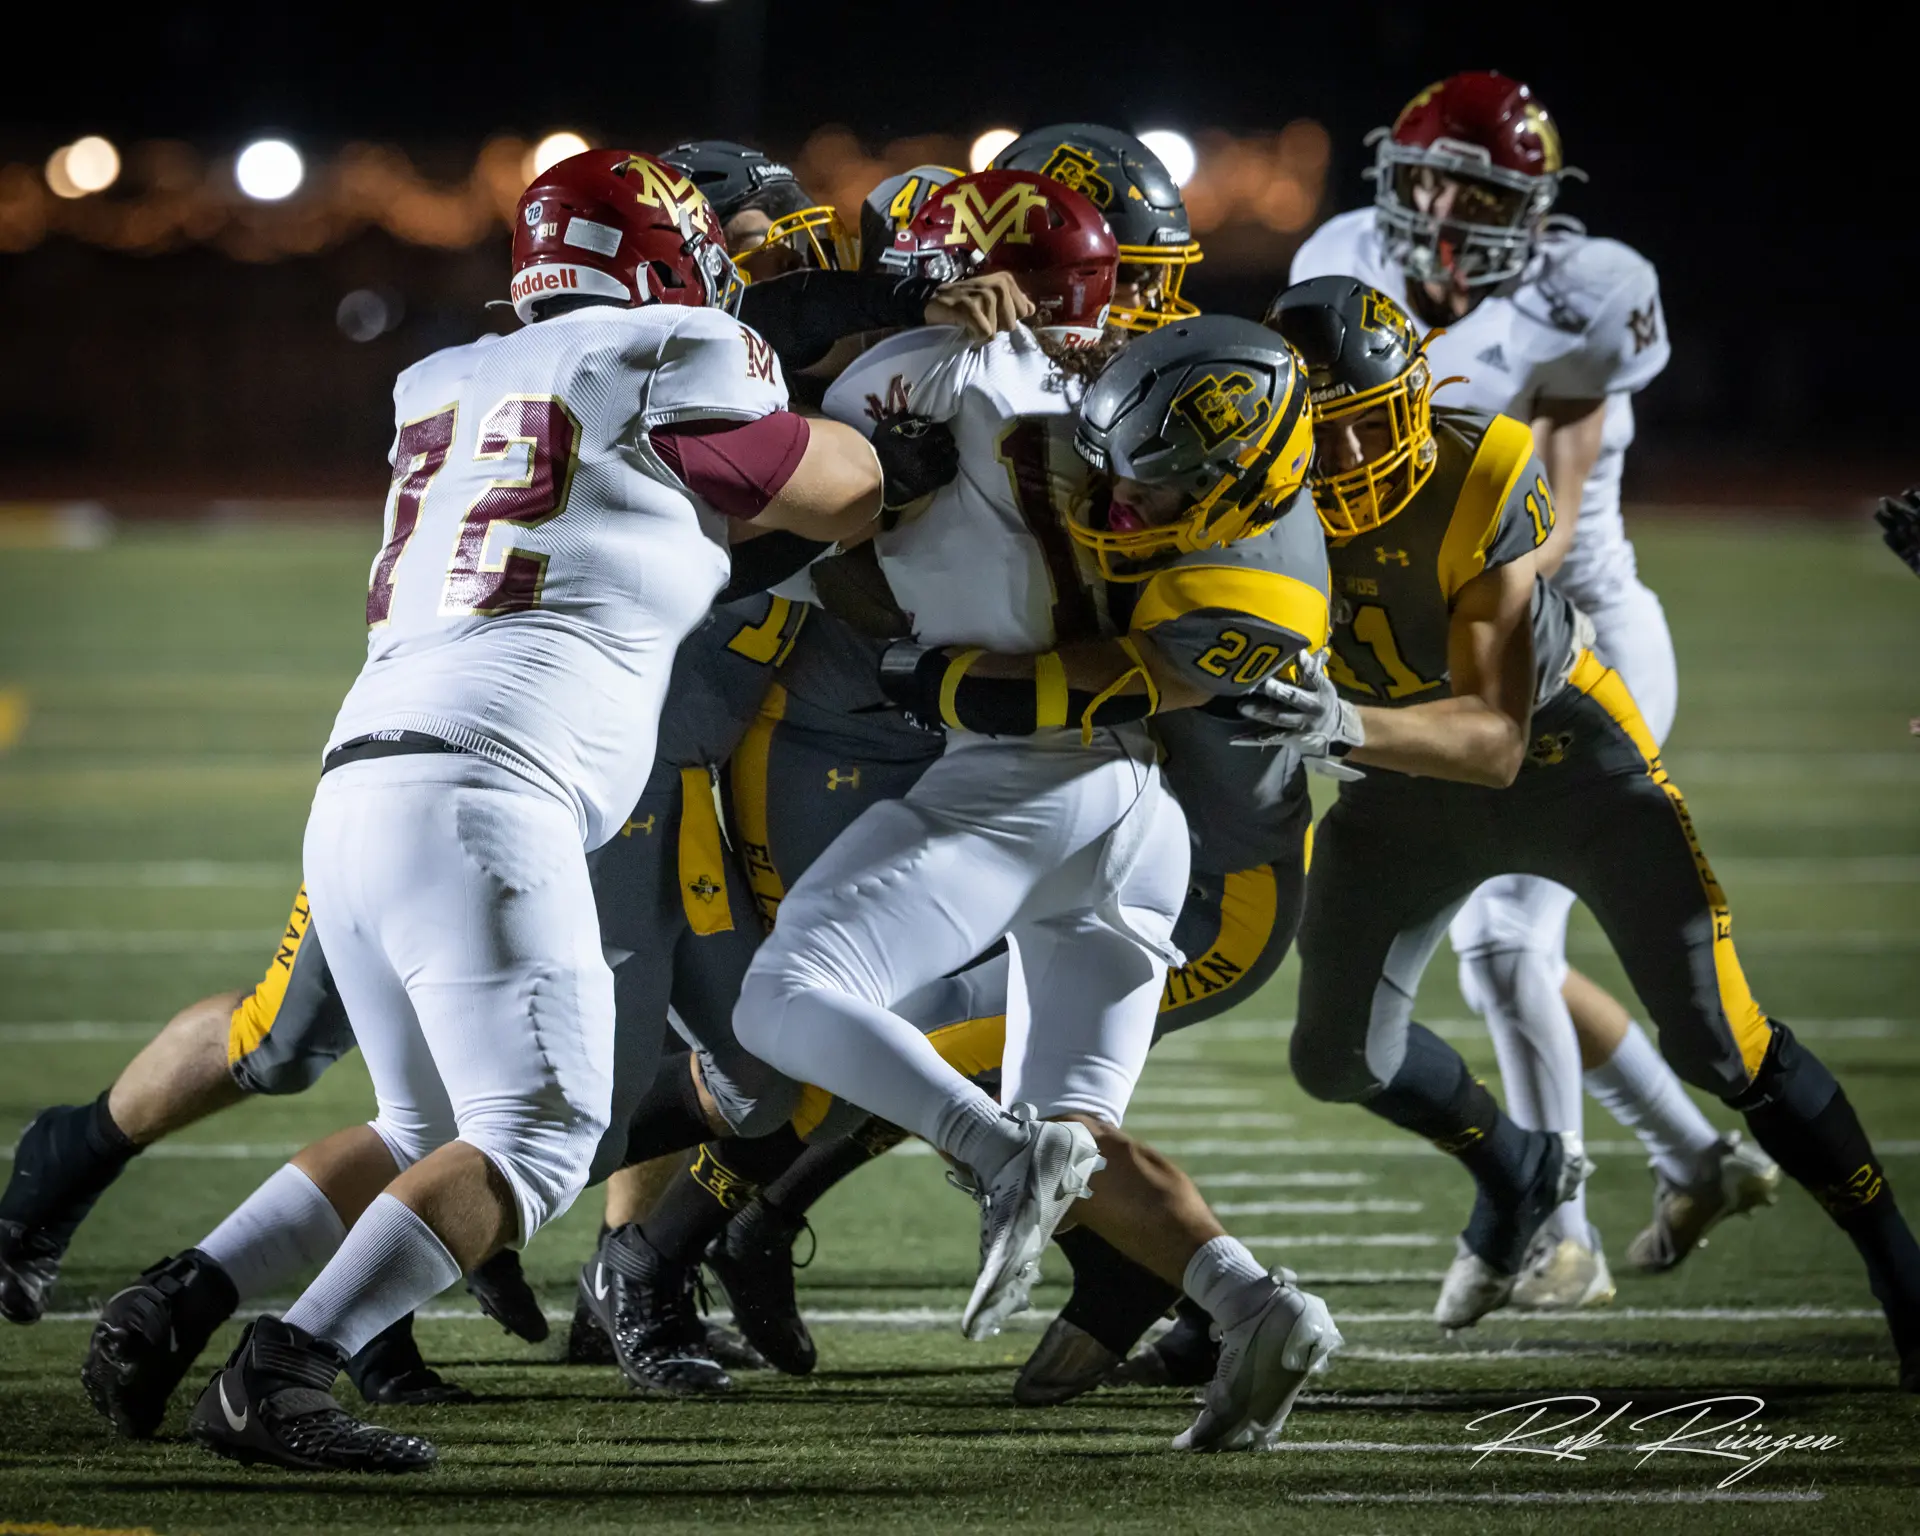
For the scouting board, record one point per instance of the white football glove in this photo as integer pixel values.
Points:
(1307, 715)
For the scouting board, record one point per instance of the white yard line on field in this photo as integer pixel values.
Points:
(1247, 1178)
(1226, 1120)
(1349, 1240)
(1673, 1496)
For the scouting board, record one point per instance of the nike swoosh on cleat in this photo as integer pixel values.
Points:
(237, 1422)
(600, 1286)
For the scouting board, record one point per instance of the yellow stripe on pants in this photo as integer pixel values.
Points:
(703, 868)
(1751, 1031)
(253, 1019)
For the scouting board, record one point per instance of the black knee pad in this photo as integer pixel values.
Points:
(1327, 1071)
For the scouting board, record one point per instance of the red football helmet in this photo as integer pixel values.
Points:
(1464, 179)
(624, 225)
(1051, 238)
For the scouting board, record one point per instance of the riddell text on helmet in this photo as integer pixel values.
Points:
(543, 280)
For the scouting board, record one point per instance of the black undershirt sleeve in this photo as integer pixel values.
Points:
(802, 314)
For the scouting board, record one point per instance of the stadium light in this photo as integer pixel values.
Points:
(85, 166)
(269, 170)
(551, 150)
(987, 146)
(1175, 151)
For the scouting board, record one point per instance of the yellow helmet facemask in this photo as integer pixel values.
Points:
(815, 234)
(1242, 502)
(1171, 263)
(1355, 500)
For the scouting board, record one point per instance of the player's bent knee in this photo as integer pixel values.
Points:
(753, 1098)
(547, 1160)
(1326, 1071)
(1520, 987)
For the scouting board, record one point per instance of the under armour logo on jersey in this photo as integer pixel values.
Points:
(1385, 555)
(704, 888)
(1493, 357)
(637, 826)
(837, 780)
(1645, 325)
(1550, 749)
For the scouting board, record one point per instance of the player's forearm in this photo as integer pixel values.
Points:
(833, 494)
(1567, 435)
(1465, 739)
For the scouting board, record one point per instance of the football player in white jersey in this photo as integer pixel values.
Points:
(1538, 320)
(560, 511)
(1046, 821)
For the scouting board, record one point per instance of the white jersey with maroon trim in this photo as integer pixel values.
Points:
(989, 562)
(1581, 323)
(541, 565)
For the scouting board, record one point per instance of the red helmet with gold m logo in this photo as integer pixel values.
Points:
(620, 226)
(1052, 239)
(1465, 177)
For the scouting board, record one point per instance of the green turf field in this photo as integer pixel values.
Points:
(169, 694)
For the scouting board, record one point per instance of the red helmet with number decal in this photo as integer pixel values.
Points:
(1054, 241)
(1464, 179)
(620, 225)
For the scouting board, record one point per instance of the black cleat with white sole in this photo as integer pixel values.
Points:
(391, 1370)
(148, 1337)
(1186, 1355)
(273, 1403)
(501, 1289)
(646, 1305)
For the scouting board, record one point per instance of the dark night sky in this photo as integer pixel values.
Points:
(1771, 181)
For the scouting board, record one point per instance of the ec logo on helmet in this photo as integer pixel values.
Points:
(1380, 314)
(1211, 405)
(984, 225)
(1075, 168)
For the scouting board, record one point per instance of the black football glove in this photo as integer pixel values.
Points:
(917, 457)
(1899, 520)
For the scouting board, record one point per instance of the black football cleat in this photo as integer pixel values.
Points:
(391, 1370)
(29, 1264)
(732, 1351)
(753, 1261)
(148, 1337)
(504, 1295)
(646, 1305)
(587, 1341)
(273, 1402)
(1186, 1355)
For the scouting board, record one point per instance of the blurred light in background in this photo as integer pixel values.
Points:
(989, 144)
(551, 150)
(86, 165)
(367, 313)
(269, 170)
(1176, 153)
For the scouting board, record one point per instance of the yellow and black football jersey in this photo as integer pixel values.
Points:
(1485, 504)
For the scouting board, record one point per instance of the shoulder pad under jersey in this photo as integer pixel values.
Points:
(709, 365)
(1502, 510)
(1228, 618)
(1344, 246)
(1606, 296)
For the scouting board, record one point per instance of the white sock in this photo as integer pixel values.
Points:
(282, 1232)
(1638, 1088)
(980, 1134)
(1228, 1281)
(390, 1263)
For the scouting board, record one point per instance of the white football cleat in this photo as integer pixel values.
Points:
(1264, 1362)
(1739, 1179)
(1019, 1208)
(1563, 1275)
(1471, 1289)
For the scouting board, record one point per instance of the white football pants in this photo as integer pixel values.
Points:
(453, 903)
(1077, 856)
(1511, 936)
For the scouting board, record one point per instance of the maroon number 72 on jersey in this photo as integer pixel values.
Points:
(511, 582)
